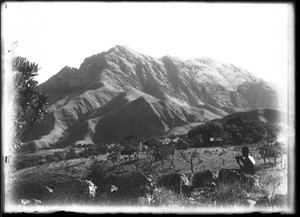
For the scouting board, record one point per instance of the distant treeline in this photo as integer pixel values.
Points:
(235, 131)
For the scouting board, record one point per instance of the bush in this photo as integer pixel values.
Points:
(22, 162)
(230, 194)
(72, 154)
(182, 144)
(271, 151)
(101, 149)
(59, 155)
(51, 158)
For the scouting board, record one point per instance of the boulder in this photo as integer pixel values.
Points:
(74, 191)
(204, 178)
(126, 188)
(176, 182)
(229, 176)
(99, 172)
(67, 192)
(30, 191)
(248, 180)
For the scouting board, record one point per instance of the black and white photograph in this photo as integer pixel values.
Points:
(148, 107)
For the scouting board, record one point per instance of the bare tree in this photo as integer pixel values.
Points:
(190, 157)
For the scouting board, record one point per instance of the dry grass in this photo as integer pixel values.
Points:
(273, 178)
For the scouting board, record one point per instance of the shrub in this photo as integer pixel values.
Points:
(114, 154)
(230, 194)
(59, 155)
(272, 151)
(182, 144)
(71, 154)
(263, 150)
(51, 158)
(101, 149)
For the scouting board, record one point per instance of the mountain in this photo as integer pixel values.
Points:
(133, 113)
(121, 92)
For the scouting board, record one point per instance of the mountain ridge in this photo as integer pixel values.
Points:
(202, 88)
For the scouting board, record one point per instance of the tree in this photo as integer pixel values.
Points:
(31, 104)
(197, 141)
(237, 138)
(272, 151)
(114, 154)
(149, 147)
(282, 148)
(237, 121)
(183, 143)
(131, 145)
(275, 151)
(157, 149)
(190, 157)
(273, 131)
(263, 150)
(160, 153)
(257, 130)
(171, 152)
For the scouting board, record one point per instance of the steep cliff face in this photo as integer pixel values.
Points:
(202, 88)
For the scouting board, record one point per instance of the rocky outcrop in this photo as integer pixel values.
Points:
(128, 188)
(176, 182)
(231, 176)
(204, 178)
(68, 192)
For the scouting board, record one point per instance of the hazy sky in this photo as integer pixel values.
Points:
(255, 37)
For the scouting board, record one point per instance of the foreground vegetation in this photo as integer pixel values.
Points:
(65, 173)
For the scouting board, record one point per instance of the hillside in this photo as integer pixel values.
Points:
(264, 115)
(171, 93)
(133, 113)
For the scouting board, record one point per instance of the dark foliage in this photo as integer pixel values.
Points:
(235, 131)
(31, 104)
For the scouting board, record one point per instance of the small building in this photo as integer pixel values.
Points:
(215, 139)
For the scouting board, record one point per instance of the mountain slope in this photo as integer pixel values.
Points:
(174, 90)
(133, 112)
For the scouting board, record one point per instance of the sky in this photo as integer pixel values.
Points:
(256, 37)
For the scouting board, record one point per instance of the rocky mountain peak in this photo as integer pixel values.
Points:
(121, 86)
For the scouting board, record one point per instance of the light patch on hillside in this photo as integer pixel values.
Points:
(177, 101)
